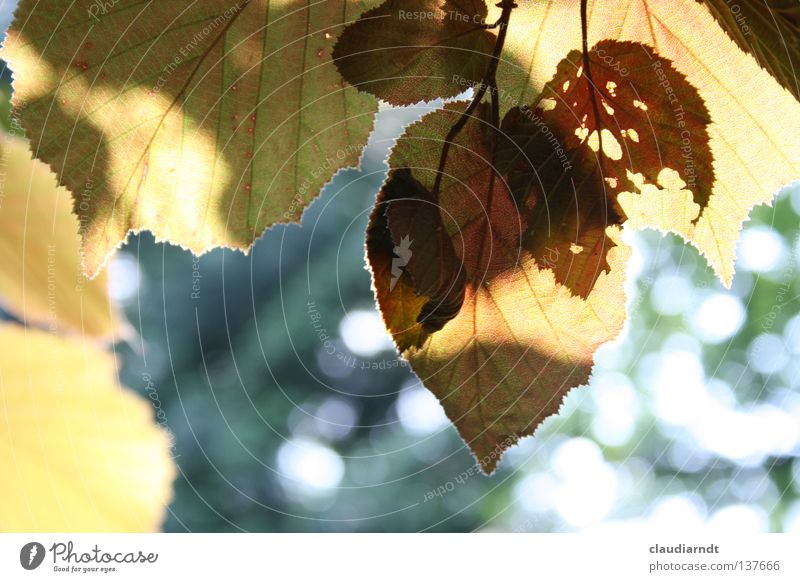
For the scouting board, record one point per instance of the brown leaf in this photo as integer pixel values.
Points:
(565, 194)
(769, 30)
(520, 340)
(638, 108)
(648, 116)
(434, 268)
(410, 51)
(755, 123)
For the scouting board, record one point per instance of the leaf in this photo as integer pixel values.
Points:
(400, 302)
(538, 207)
(204, 123)
(564, 194)
(520, 340)
(553, 159)
(413, 217)
(755, 123)
(77, 453)
(405, 52)
(41, 281)
(769, 31)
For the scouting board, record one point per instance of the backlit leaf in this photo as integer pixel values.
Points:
(409, 51)
(520, 340)
(433, 265)
(552, 155)
(753, 137)
(77, 452)
(41, 281)
(769, 30)
(204, 123)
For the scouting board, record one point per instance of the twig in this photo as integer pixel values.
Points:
(588, 72)
(489, 82)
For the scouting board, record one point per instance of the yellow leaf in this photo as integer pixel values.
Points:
(204, 123)
(755, 129)
(78, 453)
(40, 271)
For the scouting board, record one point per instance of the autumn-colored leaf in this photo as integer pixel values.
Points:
(556, 169)
(41, 281)
(77, 453)
(562, 191)
(755, 123)
(413, 218)
(495, 245)
(204, 123)
(400, 302)
(409, 51)
(520, 340)
(768, 30)
(618, 136)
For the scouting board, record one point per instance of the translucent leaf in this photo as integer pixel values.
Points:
(520, 340)
(41, 281)
(204, 123)
(557, 170)
(409, 51)
(769, 31)
(753, 137)
(77, 452)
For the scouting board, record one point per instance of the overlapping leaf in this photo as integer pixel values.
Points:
(535, 211)
(77, 453)
(409, 51)
(556, 167)
(520, 340)
(755, 123)
(207, 123)
(204, 123)
(768, 30)
(41, 281)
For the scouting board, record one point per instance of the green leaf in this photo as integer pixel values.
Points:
(204, 123)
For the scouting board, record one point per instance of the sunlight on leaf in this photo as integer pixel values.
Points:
(41, 281)
(755, 123)
(554, 165)
(203, 123)
(77, 451)
(520, 340)
(768, 30)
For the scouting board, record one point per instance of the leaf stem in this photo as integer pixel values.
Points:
(488, 82)
(588, 72)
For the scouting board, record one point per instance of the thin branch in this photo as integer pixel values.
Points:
(489, 82)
